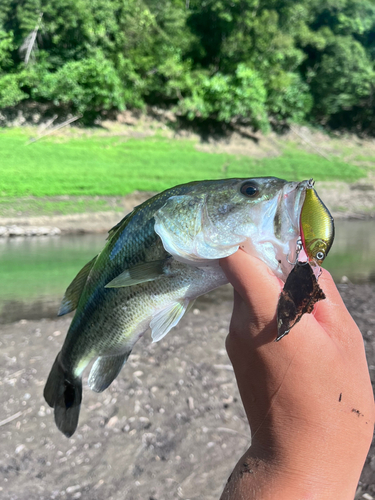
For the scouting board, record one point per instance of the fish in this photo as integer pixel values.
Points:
(301, 290)
(157, 260)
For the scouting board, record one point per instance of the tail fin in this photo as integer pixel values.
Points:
(64, 394)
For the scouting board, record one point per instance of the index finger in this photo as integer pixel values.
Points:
(255, 282)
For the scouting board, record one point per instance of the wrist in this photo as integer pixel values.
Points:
(304, 460)
(266, 475)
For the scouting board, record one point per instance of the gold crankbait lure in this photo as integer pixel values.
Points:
(317, 227)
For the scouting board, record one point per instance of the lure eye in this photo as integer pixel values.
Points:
(249, 189)
(320, 255)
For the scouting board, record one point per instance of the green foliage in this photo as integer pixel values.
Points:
(343, 78)
(91, 83)
(225, 97)
(289, 98)
(6, 47)
(10, 92)
(246, 60)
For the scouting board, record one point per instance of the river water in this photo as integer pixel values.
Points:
(36, 271)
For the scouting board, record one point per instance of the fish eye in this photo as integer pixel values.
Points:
(320, 255)
(249, 189)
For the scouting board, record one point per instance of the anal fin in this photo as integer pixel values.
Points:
(163, 321)
(105, 370)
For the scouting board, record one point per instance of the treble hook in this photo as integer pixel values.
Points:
(299, 247)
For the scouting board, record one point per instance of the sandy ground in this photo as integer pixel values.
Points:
(170, 427)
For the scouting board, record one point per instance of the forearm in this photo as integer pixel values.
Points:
(308, 443)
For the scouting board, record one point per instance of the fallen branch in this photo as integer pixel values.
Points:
(9, 419)
(48, 124)
(231, 431)
(224, 367)
(310, 144)
(53, 129)
(32, 39)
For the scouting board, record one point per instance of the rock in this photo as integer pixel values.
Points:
(112, 421)
(14, 230)
(73, 489)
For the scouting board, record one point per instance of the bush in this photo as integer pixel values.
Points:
(241, 96)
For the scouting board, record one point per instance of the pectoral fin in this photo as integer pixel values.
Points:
(164, 320)
(105, 370)
(141, 273)
(74, 290)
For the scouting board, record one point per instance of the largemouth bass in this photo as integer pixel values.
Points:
(157, 260)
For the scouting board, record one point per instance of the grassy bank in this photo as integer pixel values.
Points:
(116, 166)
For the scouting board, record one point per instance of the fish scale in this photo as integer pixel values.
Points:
(157, 260)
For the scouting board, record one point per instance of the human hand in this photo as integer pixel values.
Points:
(308, 398)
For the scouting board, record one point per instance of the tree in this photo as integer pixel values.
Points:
(254, 61)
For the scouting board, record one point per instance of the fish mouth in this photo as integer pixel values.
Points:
(293, 195)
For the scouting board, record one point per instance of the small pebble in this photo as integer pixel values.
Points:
(73, 489)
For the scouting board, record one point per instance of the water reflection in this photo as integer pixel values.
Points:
(353, 252)
(36, 271)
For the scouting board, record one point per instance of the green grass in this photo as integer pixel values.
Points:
(118, 166)
(364, 158)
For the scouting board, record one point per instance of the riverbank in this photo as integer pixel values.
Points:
(85, 180)
(346, 201)
(171, 426)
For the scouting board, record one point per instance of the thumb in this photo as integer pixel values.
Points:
(332, 313)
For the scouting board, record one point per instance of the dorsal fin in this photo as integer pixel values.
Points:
(74, 290)
(114, 229)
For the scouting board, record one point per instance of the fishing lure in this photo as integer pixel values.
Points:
(301, 290)
(317, 227)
